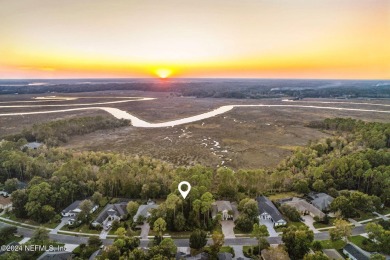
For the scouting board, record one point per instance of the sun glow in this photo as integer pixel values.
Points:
(163, 73)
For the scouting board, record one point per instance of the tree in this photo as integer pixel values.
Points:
(259, 232)
(301, 186)
(94, 241)
(276, 253)
(290, 212)
(179, 222)
(317, 246)
(341, 230)
(160, 226)
(244, 223)
(6, 233)
(40, 235)
(316, 256)
(121, 232)
(11, 185)
(132, 208)
(168, 247)
(377, 256)
(86, 208)
(319, 185)
(172, 201)
(297, 241)
(379, 236)
(198, 239)
(97, 197)
(19, 199)
(342, 204)
(206, 202)
(251, 209)
(218, 241)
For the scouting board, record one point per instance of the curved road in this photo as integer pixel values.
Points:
(137, 122)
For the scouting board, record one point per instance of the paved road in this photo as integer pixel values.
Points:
(72, 239)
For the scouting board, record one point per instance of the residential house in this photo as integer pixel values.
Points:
(73, 209)
(354, 252)
(304, 207)
(144, 210)
(5, 202)
(111, 213)
(267, 210)
(321, 200)
(224, 207)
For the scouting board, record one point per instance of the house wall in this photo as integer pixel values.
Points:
(265, 216)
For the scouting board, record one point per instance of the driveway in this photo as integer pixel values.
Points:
(238, 253)
(270, 226)
(104, 234)
(228, 228)
(309, 222)
(333, 254)
(64, 220)
(145, 230)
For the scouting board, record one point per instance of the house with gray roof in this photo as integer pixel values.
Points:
(304, 207)
(321, 200)
(73, 209)
(224, 207)
(354, 252)
(144, 210)
(110, 213)
(267, 210)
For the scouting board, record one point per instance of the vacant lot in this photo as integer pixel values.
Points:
(247, 137)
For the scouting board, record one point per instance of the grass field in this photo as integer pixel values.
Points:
(242, 138)
(328, 244)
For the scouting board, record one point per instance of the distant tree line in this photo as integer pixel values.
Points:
(225, 88)
(54, 133)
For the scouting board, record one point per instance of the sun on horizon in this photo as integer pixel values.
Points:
(163, 73)
(343, 39)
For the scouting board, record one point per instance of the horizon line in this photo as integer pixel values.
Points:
(192, 78)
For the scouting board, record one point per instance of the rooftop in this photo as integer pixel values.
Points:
(265, 205)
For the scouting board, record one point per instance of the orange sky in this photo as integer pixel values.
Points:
(195, 38)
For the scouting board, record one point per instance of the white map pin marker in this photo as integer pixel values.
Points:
(182, 192)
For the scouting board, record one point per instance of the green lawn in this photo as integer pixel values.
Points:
(84, 228)
(13, 239)
(365, 215)
(358, 240)
(227, 249)
(183, 234)
(11, 216)
(328, 244)
(385, 211)
(239, 231)
(322, 225)
(290, 223)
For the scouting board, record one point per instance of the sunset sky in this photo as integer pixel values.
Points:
(195, 38)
